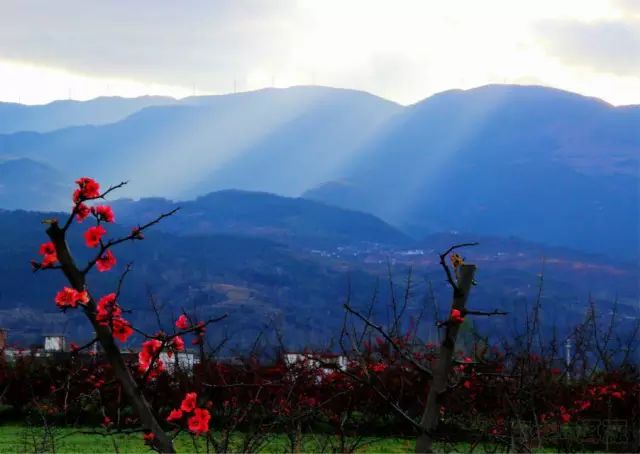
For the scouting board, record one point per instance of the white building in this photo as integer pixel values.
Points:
(54, 344)
(184, 361)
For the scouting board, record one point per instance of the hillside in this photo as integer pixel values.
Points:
(260, 282)
(28, 183)
(288, 220)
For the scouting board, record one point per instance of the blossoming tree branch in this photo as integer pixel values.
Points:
(105, 312)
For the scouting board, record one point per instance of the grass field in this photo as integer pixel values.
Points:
(23, 439)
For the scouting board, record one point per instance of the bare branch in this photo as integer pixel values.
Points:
(132, 236)
(444, 265)
(384, 334)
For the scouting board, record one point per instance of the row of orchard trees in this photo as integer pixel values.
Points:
(512, 395)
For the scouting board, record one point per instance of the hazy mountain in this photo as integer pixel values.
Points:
(539, 163)
(289, 220)
(275, 140)
(28, 183)
(61, 114)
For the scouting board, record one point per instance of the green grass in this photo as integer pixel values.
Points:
(24, 439)
(21, 439)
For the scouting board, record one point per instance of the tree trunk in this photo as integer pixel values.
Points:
(111, 350)
(438, 385)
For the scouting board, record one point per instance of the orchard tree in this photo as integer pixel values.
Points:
(398, 350)
(106, 315)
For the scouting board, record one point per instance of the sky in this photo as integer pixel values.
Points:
(402, 50)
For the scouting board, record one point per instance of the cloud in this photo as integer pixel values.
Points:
(403, 51)
(184, 43)
(630, 7)
(611, 46)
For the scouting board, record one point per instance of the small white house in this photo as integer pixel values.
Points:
(316, 360)
(54, 344)
(184, 361)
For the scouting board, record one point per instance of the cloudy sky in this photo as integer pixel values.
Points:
(402, 50)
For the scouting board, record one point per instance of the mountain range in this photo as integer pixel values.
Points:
(539, 163)
(61, 114)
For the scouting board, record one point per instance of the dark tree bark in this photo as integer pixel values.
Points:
(438, 386)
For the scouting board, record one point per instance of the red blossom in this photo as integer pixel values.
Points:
(48, 260)
(456, 316)
(81, 211)
(106, 262)
(150, 350)
(136, 233)
(582, 404)
(199, 422)
(178, 344)
(47, 248)
(121, 329)
(189, 402)
(70, 297)
(148, 437)
(93, 235)
(106, 422)
(103, 213)
(175, 415)
(107, 309)
(182, 322)
(378, 367)
(88, 188)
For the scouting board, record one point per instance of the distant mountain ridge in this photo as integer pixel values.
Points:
(63, 114)
(40, 185)
(283, 219)
(544, 164)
